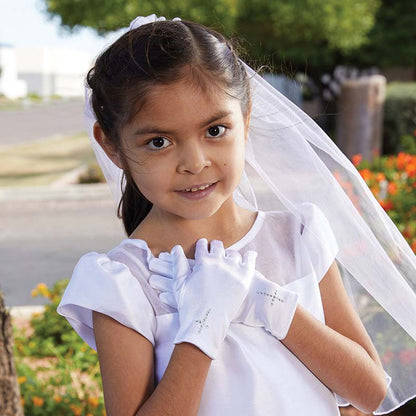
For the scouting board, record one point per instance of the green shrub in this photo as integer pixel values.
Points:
(58, 373)
(399, 115)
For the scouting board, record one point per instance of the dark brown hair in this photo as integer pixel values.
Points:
(158, 53)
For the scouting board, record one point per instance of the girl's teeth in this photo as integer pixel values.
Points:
(197, 189)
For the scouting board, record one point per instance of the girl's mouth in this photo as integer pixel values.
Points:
(198, 191)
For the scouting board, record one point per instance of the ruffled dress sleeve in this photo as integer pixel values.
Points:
(318, 239)
(106, 286)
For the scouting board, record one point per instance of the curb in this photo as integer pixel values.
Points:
(70, 178)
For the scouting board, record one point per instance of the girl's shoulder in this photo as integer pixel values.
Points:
(113, 284)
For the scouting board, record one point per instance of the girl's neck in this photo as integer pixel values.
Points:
(163, 232)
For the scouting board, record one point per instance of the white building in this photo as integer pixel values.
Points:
(10, 85)
(53, 71)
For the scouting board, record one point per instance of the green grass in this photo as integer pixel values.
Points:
(43, 162)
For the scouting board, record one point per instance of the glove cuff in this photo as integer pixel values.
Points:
(281, 307)
(204, 333)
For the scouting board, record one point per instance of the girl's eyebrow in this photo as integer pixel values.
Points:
(216, 117)
(155, 130)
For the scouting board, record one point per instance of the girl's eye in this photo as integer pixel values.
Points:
(158, 143)
(216, 131)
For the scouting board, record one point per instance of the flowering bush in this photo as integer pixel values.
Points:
(392, 180)
(58, 373)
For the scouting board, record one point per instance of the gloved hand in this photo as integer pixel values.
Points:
(209, 296)
(267, 304)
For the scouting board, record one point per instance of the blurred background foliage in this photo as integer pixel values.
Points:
(309, 36)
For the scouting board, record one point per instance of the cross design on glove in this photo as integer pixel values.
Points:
(202, 322)
(272, 296)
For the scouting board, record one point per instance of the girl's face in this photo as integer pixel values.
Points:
(185, 150)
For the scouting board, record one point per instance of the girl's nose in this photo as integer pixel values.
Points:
(192, 159)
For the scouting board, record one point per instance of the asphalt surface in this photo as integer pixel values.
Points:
(43, 233)
(42, 121)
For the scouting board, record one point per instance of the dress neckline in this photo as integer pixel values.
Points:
(251, 233)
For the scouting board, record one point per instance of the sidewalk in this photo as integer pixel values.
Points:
(99, 191)
(45, 230)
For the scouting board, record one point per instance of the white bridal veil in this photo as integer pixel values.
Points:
(290, 160)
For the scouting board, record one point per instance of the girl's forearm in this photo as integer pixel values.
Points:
(180, 389)
(343, 365)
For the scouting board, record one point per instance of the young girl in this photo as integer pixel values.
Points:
(213, 306)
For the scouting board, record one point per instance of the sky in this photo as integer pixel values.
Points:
(24, 24)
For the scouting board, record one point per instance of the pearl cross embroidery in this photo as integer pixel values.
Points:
(202, 322)
(272, 296)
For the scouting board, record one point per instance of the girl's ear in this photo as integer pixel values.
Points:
(106, 144)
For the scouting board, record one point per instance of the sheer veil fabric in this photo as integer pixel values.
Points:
(290, 161)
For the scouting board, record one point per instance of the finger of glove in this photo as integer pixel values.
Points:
(181, 268)
(201, 249)
(162, 283)
(216, 247)
(164, 256)
(169, 299)
(233, 255)
(159, 266)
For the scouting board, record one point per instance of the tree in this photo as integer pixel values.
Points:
(310, 34)
(10, 404)
(108, 15)
(302, 28)
(290, 36)
(391, 41)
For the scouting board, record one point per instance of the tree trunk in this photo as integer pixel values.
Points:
(360, 116)
(10, 403)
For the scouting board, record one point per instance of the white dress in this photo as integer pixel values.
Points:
(253, 374)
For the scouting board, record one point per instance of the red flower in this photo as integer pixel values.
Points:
(366, 174)
(380, 177)
(356, 159)
(403, 159)
(411, 168)
(392, 188)
(387, 205)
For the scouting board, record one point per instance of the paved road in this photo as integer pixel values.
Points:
(44, 231)
(41, 240)
(62, 118)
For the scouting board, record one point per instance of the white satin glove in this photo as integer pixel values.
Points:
(267, 304)
(209, 296)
